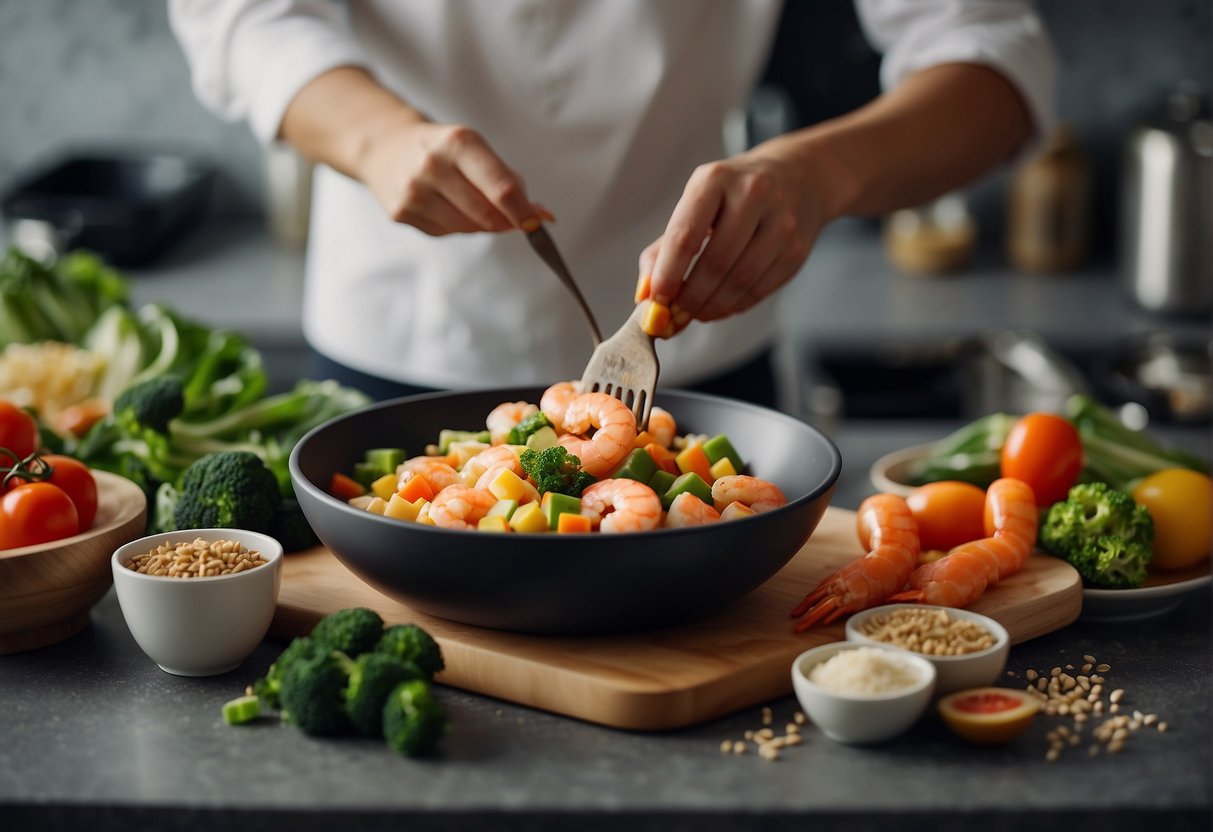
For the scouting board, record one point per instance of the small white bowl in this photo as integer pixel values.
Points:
(952, 673)
(861, 718)
(199, 626)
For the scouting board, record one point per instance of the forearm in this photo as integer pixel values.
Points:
(938, 130)
(336, 118)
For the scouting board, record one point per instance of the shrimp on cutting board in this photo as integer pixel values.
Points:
(964, 574)
(887, 530)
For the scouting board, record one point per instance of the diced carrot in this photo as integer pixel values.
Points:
(344, 487)
(695, 458)
(664, 457)
(643, 438)
(572, 524)
(416, 487)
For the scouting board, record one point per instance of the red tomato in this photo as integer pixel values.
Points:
(1045, 451)
(948, 513)
(18, 432)
(987, 702)
(74, 477)
(36, 512)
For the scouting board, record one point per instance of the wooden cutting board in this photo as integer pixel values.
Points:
(667, 678)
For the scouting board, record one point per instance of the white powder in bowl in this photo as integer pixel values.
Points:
(866, 671)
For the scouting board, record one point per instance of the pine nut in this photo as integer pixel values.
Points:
(197, 558)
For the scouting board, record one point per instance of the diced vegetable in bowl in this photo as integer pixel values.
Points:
(530, 576)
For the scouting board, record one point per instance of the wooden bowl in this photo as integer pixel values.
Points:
(46, 591)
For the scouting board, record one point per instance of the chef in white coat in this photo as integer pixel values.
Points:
(443, 128)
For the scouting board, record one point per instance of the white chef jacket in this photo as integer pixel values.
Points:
(604, 107)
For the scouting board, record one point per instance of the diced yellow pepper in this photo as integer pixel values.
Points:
(384, 487)
(495, 523)
(377, 505)
(736, 511)
(656, 319)
(462, 451)
(723, 467)
(529, 518)
(508, 486)
(402, 509)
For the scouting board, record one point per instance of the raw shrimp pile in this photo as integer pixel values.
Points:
(890, 571)
(601, 432)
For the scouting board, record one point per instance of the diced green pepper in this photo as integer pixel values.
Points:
(692, 482)
(446, 437)
(503, 508)
(557, 504)
(366, 473)
(242, 710)
(543, 438)
(719, 447)
(522, 431)
(385, 459)
(639, 465)
(661, 482)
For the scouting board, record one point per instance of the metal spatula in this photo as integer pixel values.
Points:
(625, 366)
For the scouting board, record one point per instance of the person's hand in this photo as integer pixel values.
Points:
(741, 230)
(445, 179)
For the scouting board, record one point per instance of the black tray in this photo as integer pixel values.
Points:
(126, 207)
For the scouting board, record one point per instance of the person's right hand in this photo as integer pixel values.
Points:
(445, 179)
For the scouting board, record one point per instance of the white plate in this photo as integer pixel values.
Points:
(1134, 604)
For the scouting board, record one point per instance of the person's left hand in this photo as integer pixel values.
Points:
(751, 219)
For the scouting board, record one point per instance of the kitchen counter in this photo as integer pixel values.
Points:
(94, 734)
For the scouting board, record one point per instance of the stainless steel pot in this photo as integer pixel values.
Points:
(1167, 208)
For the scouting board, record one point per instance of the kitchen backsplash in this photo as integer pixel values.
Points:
(109, 71)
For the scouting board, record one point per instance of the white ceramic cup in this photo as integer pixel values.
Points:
(199, 626)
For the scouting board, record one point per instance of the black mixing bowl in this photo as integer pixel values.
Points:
(567, 584)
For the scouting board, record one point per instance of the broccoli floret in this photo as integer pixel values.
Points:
(269, 687)
(522, 431)
(313, 693)
(135, 433)
(1112, 563)
(150, 404)
(290, 527)
(413, 721)
(1102, 532)
(410, 643)
(555, 469)
(227, 490)
(371, 678)
(353, 631)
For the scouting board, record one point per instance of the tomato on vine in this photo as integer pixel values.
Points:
(18, 431)
(36, 512)
(69, 474)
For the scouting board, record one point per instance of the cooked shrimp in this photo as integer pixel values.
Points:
(613, 427)
(557, 398)
(436, 472)
(460, 507)
(621, 505)
(491, 460)
(502, 419)
(759, 495)
(689, 510)
(888, 531)
(962, 575)
(662, 426)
